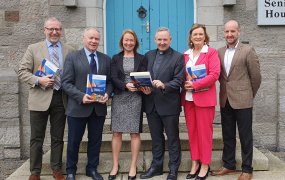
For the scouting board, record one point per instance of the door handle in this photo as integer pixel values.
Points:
(147, 26)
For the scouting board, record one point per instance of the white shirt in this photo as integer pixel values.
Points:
(229, 54)
(191, 62)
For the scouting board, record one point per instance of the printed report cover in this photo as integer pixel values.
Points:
(196, 73)
(141, 79)
(96, 86)
(47, 68)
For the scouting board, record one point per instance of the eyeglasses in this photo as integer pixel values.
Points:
(53, 29)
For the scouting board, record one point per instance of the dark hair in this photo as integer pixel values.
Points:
(137, 45)
(196, 26)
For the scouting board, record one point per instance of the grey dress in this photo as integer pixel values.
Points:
(126, 105)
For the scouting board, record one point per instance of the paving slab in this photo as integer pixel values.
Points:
(258, 175)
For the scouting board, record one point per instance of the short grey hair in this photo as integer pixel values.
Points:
(87, 29)
(163, 29)
(52, 19)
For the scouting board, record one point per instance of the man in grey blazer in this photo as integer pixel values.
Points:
(163, 105)
(240, 79)
(45, 103)
(81, 110)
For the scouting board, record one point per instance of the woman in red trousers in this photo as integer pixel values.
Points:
(199, 100)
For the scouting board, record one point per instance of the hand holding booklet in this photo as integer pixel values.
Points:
(196, 73)
(47, 68)
(141, 79)
(96, 86)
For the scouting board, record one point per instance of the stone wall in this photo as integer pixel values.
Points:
(21, 24)
(281, 111)
(9, 115)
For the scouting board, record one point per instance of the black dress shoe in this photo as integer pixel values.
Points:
(192, 176)
(113, 177)
(204, 177)
(172, 175)
(94, 175)
(70, 177)
(152, 171)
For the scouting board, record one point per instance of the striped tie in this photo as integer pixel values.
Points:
(55, 60)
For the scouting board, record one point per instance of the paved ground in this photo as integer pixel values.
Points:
(7, 167)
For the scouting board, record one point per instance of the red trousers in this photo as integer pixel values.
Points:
(199, 122)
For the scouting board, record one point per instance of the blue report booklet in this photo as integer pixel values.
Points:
(196, 73)
(141, 79)
(47, 68)
(96, 86)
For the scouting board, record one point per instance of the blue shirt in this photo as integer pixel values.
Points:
(89, 58)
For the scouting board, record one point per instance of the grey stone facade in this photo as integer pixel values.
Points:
(21, 23)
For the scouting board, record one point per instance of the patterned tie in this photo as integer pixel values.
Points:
(93, 65)
(55, 59)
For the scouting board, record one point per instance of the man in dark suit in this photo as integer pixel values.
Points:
(81, 110)
(239, 81)
(162, 105)
(49, 103)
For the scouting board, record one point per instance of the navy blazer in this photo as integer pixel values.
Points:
(74, 81)
(172, 73)
(118, 73)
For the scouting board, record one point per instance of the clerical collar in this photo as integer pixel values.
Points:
(162, 53)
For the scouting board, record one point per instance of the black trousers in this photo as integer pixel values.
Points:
(38, 122)
(243, 119)
(76, 129)
(157, 124)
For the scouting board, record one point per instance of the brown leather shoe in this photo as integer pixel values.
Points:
(57, 174)
(245, 176)
(223, 171)
(34, 177)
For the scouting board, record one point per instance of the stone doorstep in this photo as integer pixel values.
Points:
(260, 162)
(276, 171)
(146, 142)
(145, 129)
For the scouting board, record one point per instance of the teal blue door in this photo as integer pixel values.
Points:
(177, 15)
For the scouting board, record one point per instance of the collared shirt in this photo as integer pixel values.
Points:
(191, 62)
(89, 57)
(59, 51)
(229, 54)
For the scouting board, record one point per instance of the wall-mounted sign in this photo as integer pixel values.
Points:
(271, 12)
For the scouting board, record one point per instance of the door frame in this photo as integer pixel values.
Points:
(104, 21)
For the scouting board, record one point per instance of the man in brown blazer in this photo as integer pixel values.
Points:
(239, 81)
(45, 103)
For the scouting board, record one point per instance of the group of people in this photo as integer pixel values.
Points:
(236, 66)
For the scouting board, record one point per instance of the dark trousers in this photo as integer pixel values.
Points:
(243, 119)
(157, 124)
(38, 122)
(76, 129)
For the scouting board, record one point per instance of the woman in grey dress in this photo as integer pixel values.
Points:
(127, 101)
